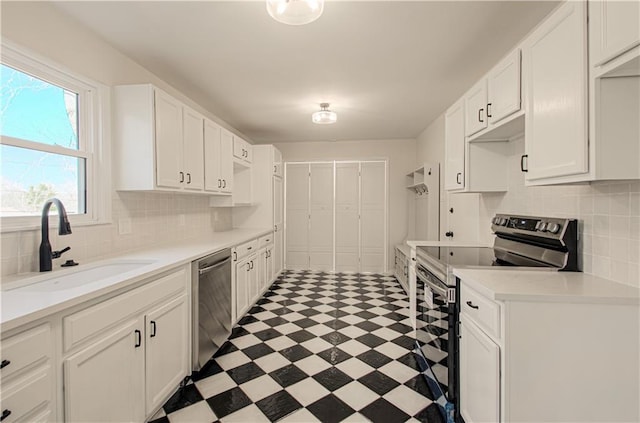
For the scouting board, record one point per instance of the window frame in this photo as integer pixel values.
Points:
(93, 132)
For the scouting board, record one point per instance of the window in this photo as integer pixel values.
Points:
(50, 143)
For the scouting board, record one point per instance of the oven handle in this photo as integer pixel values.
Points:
(426, 280)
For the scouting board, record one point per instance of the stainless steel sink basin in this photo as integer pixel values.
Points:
(80, 277)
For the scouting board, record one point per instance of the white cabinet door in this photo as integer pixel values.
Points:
(243, 268)
(193, 149)
(321, 216)
(255, 279)
(555, 65)
(212, 157)
(168, 125)
(105, 381)
(504, 88)
(242, 149)
(277, 162)
(475, 106)
(614, 27)
(167, 350)
(269, 273)
(278, 226)
(226, 161)
(454, 147)
(372, 217)
(297, 206)
(479, 375)
(347, 217)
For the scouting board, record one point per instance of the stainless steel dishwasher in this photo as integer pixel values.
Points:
(211, 305)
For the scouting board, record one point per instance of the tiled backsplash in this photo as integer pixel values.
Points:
(156, 218)
(608, 213)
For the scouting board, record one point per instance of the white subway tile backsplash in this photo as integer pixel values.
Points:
(155, 218)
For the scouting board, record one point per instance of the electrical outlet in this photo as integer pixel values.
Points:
(181, 220)
(124, 226)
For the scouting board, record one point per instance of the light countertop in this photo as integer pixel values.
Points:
(531, 285)
(21, 306)
(417, 243)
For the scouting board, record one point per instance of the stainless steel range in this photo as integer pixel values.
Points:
(524, 241)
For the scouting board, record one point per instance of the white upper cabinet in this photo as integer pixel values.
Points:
(555, 68)
(475, 108)
(614, 28)
(454, 147)
(242, 150)
(503, 91)
(218, 157)
(193, 149)
(277, 163)
(158, 142)
(168, 126)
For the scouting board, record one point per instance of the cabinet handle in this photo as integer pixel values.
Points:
(224, 183)
(449, 234)
(5, 413)
(235, 256)
(153, 329)
(181, 177)
(470, 304)
(188, 178)
(522, 168)
(219, 183)
(248, 266)
(458, 175)
(249, 248)
(275, 228)
(275, 169)
(480, 115)
(138, 338)
(251, 264)
(4, 363)
(489, 110)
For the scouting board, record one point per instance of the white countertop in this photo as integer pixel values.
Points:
(531, 285)
(418, 243)
(19, 306)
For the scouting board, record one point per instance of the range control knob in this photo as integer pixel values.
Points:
(495, 220)
(554, 228)
(542, 227)
(503, 221)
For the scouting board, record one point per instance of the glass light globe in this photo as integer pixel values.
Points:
(295, 12)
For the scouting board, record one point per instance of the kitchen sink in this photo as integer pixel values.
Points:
(70, 279)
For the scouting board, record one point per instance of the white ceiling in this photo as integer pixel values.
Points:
(388, 68)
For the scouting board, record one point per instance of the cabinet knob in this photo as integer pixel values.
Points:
(5, 413)
(4, 363)
(449, 234)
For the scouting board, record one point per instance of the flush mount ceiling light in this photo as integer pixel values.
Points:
(324, 116)
(295, 12)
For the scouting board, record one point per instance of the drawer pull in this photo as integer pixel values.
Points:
(5, 413)
(470, 304)
(248, 248)
(4, 364)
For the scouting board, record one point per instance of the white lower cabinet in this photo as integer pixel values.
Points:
(167, 350)
(126, 355)
(535, 358)
(254, 272)
(243, 282)
(105, 381)
(479, 375)
(27, 383)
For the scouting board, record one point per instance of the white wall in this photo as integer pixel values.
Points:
(155, 218)
(401, 160)
(608, 212)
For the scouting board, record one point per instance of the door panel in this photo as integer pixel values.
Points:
(168, 140)
(297, 209)
(476, 108)
(372, 217)
(347, 212)
(454, 147)
(504, 88)
(226, 161)
(321, 216)
(193, 149)
(212, 156)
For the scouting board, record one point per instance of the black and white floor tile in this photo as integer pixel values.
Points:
(317, 347)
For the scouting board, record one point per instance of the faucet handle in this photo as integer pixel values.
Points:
(57, 254)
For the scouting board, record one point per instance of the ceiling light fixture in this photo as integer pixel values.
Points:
(295, 12)
(324, 116)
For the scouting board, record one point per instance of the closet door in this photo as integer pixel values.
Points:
(321, 217)
(297, 209)
(347, 225)
(372, 216)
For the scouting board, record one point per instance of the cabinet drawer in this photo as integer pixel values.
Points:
(94, 320)
(24, 349)
(480, 309)
(28, 393)
(247, 248)
(265, 240)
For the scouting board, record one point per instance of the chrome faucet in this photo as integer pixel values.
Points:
(64, 228)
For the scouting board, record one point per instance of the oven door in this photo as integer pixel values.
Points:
(435, 338)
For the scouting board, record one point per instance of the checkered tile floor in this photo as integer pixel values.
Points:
(317, 347)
